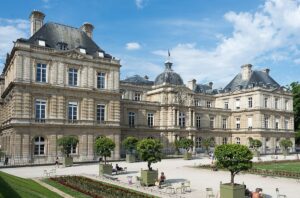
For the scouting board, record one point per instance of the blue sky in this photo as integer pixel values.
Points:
(209, 39)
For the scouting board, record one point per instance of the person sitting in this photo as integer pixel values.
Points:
(118, 168)
(162, 177)
(257, 193)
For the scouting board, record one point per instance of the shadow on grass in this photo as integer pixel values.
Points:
(7, 190)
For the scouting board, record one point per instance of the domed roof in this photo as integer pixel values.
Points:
(168, 76)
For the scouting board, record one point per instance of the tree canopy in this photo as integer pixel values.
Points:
(286, 144)
(66, 143)
(208, 142)
(255, 143)
(104, 146)
(295, 88)
(130, 144)
(150, 150)
(186, 143)
(233, 157)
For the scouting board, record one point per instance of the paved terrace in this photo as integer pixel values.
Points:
(176, 171)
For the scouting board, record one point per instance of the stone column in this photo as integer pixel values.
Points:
(83, 147)
(90, 147)
(263, 145)
(116, 152)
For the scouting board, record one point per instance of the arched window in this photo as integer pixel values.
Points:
(224, 140)
(237, 140)
(198, 142)
(39, 145)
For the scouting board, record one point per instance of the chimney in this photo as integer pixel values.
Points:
(246, 71)
(88, 29)
(36, 21)
(192, 84)
(210, 84)
(267, 71)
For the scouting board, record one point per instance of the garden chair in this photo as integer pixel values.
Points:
(280, 195)
(46, 173)
(187, 186)
(171, 189)
(180, 187)
(210, 193)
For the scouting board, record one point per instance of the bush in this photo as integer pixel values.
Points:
(255, 143)
(130, 144)
(286, 144)
(104, 146)
(186, 144)
(66, 143)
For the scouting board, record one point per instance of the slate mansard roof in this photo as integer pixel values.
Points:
(55, 34)
(138, 80)
(257, 78)
(168, 76)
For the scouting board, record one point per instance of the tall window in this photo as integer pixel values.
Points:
(250, 104)
(73, 77)
(131, 117)
(212, 122)
(100, 112)
(198, 142)
(286, 124)
(237, 140)
(208, 104)
(198, 121)
(197, 102)
(226, 105)
(286, 104)
(266, 102)
(266, 121)
(40, 110)
(238, 123)
(101, 80)
(224, 123)
(150, 120)
(73, 148)
(39, 146)
(276, 103)
(137, 96)
(276, 123)
(175, 116)
(237, 104)
(41, 71)
(249, 122)
(181, 119)
(72, 114)
(224, 140)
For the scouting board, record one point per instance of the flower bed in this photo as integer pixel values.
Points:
(98, 189)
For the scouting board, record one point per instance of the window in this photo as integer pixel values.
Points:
(137, 96)
(226, 105)
(224, 140)
(250, 102)
(150, 120)
(266, 121)
(101, 80)
(198, 142)
(276, 103)
(39, 146)
(266, 102)
(286, 105)
(131, 117)
(286, 124)
(198, 121)
(73, 149)
(208, 104)
(197, 102)
(42, 43)
(101, 54)
(72, 111)
(181, 119)
(41, 70)
(249, 122)
(276, 123)
(73, 77)
(238, 123)
(40, 110)
(237, 103)
(237, 140)
(212, 122)
(82, 50)
(224, 123)
(100, 112)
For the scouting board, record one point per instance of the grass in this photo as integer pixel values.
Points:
(287, 166)
(65, 189)
(16, 187)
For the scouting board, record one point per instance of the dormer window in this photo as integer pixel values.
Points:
(62, 45)
(41, 43)
(101, 54)
(82, 50)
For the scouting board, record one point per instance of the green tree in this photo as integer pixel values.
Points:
(297, 138)
(104, 146)
(208, 142)
(130, 144)
(295, 88)
(150, 150)
(255, 143)
(233, 157)
(186, 144)
(66, 143)
(286, 144)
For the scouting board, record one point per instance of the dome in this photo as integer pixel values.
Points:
(168, 76)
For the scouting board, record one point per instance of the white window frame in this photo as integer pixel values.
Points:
(237, 103)
(250, 122)
(101, 80)
(250, 102)
(73, 77)
(224, 123)
(212, 122)
(198, 121)
(150, 120)
(238, 123)
(38, 144)
(42, 68)
(131, 119)
(74, 117)
(238, 140)
(181, 119)
(137, 96)
(100, 113)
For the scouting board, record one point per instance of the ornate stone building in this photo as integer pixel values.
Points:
(60, 82)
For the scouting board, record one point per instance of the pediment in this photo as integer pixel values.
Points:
(74, 54)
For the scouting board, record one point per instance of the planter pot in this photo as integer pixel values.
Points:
(130, 158)
(187, 156)
(285, 152)
(256, 153)
(67, 161)
(148, 177)
(232, 191)
(105, 169)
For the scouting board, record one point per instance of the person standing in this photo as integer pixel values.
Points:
(56, 162)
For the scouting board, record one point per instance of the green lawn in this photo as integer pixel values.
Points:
(65, 189)
(16, 187)
(287, 166)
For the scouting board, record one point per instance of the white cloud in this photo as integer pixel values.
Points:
(270, 33)
(10, 30)
(133, 46)
(140, 4)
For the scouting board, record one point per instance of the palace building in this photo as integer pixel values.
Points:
(60, 82)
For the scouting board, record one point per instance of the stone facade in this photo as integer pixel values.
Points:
(40, 83)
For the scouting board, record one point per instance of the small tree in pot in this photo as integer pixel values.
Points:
(207, 143)
(235, 158)
(104, 146)
(255, 144)
(150, 151)
(130, 144)
(67, 143)
(285, 145)
(186, 144)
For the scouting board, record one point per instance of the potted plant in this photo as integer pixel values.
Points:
(129, 144)
(176, 146)
(67, 143)
(150, 151)
(104, 146)
(255, 144)
(285, 145)
(186, 144)
(235, 158)
(207, 143)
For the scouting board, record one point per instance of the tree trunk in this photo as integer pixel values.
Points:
(104, 159)
(149, 166)
(232, 178)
